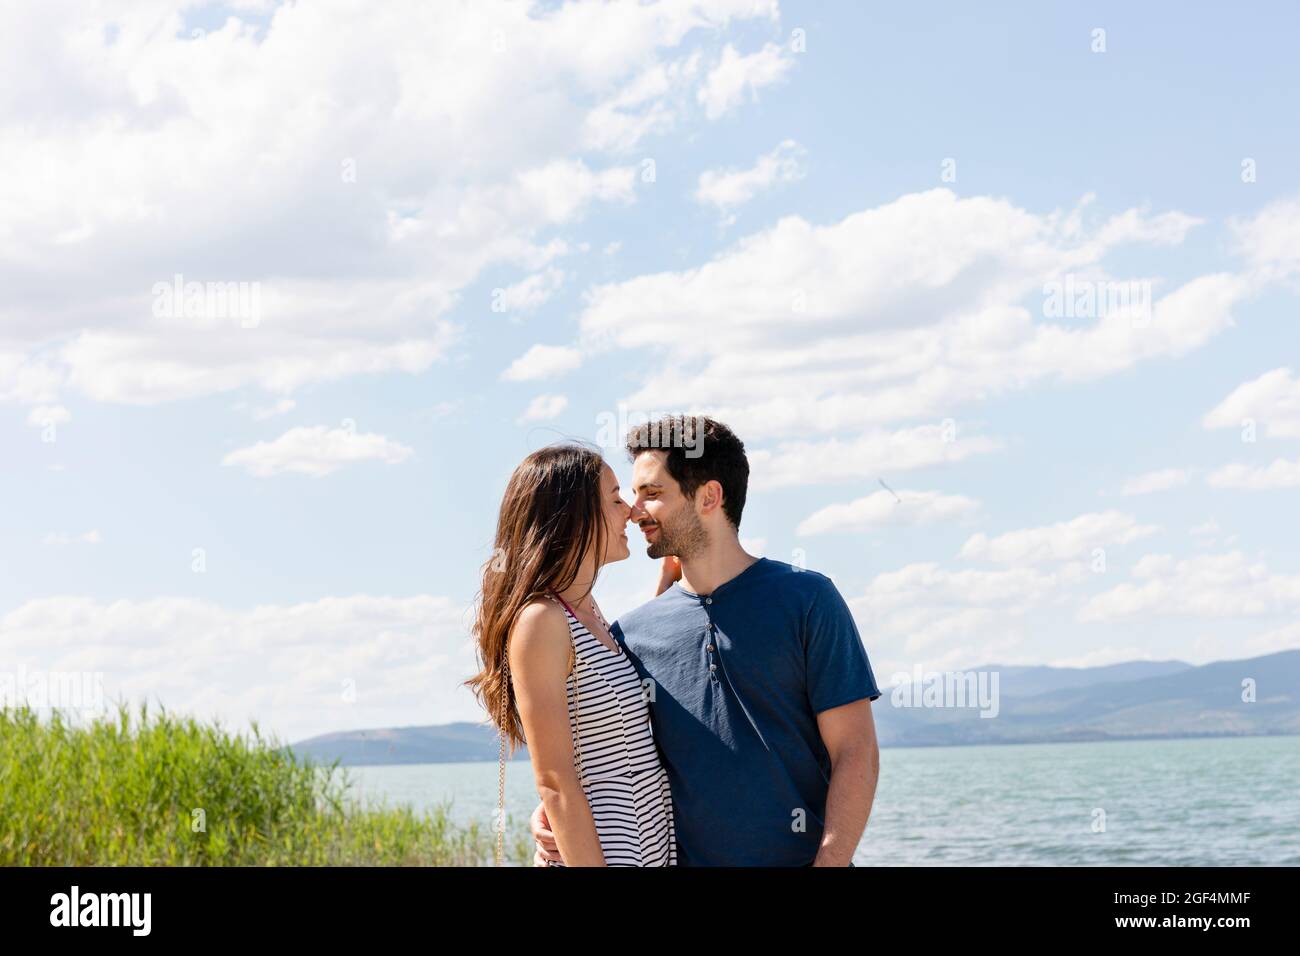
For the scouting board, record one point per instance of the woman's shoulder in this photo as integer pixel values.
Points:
(540, 642)
(540, 621)
(541, 608)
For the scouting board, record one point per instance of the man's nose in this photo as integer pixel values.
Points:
(638, 514)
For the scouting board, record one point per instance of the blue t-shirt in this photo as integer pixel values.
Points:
(738, 678)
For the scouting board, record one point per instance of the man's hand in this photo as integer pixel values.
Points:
(547, 848)
(668, 574)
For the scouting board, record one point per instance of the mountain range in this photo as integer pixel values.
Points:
(1133, 700)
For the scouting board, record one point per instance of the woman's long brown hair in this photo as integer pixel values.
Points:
(552, 517)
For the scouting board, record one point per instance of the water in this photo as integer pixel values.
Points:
(1213, 802)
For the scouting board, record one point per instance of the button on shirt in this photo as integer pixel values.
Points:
(737, 679)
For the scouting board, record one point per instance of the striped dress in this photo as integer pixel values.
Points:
(614, 749)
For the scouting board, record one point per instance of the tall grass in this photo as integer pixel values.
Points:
(171, 791)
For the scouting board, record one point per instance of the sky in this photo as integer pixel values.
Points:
(1001, 300)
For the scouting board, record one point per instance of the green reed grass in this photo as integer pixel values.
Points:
(163, 790)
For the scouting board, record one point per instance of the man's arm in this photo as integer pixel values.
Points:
(841, 687)
(849, 733)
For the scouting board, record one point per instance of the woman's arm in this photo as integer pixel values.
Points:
(540, 650)
(669, 572)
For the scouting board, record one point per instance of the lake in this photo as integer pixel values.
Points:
(1201, 802)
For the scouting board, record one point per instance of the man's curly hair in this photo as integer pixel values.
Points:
(700, 450)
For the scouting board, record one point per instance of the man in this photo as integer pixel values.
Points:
(759, 685)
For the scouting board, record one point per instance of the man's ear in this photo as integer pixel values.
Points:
(709, 497)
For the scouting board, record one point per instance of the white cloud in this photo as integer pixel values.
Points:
(28, 379)
(282, 407)
(130, 145)
(1103, 656)
(529, 293)
(301, 340)
(285, 665)
(1204, 586)
(1283, 638)
(440, 410)
(644, 107)
(1062, 541)
(927, 581)
(1281, 473)
(737, 76)
(870, 454)
(59, 539)
(544, 407)
(729, 188)
(1273, 399)
(44, 415)
(1271, 238)
(562, 188)
(882, 508)
(925, 608)
(316, 451)
(902, 312)
(1152, 481)
(543, 361)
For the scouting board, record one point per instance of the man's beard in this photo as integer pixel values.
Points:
(684, 539)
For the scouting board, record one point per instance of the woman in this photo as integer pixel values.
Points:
(553, 675)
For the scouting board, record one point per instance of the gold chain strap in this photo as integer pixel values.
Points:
(501, 762)
(577, 732)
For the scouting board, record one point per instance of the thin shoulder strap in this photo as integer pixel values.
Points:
(577, 737)
(562, 601)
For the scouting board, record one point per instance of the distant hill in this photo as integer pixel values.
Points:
(440, 743)
(1108, 703)
(1138, 699)
(1025, 681)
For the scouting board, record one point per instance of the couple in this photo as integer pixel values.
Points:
(727, 722)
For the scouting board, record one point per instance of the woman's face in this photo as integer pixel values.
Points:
(617, 513)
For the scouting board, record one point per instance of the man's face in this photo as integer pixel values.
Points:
(666, 517)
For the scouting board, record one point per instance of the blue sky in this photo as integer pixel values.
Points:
(369, 415)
